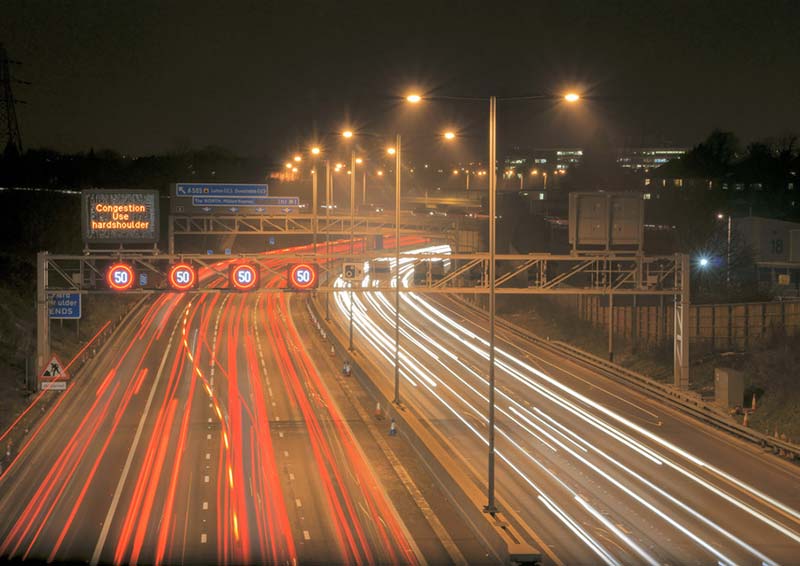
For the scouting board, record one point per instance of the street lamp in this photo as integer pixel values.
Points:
(571, 97)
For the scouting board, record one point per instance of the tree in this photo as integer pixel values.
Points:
(712, 158)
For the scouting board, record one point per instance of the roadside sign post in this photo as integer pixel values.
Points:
(53, 375)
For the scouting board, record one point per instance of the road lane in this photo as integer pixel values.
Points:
(603, 475)
(204, 435)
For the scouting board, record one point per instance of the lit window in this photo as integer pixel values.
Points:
(647, 182)
(647, 196)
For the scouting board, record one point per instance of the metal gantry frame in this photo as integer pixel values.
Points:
(586, 273)
(300, 224)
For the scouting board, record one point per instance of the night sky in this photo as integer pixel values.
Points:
(260, 77)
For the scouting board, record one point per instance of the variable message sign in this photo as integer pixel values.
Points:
(182, 277)
(303, 276)
(119, 216)
(120, 277)
(244, 277)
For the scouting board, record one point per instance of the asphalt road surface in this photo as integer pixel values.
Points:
(597, 474)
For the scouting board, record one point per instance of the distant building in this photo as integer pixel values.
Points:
(646, 158)
(635, 158)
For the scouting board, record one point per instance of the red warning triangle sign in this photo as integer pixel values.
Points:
(53, 370)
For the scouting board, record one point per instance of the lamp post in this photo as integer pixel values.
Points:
(398, 150)
(491, 506)
(328, 199)
(352, 232)
(315, 151)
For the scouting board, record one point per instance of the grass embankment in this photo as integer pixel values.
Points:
(18, 342)
(772, 371)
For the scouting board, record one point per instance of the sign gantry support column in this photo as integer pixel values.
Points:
(681, 333)
(42, 316)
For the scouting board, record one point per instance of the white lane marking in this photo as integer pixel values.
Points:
(205, 479)
(298, 502)
(277, 418)
(209, 419)
(291, 476)
(101, 541)
(285, 453)
(274, 404)
(203, 538)
(306, 535)
(270, 391)
(208, 455)
(208, 437)
(205, 505)
(280, 434)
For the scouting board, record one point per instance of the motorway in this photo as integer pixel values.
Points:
(203, 434)
(592, 472)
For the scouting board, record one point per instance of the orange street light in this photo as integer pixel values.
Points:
(315, 150)
(572, 97)
(359, 160)
(413, 98)
(534, 172)
(391, 150)
(449, 135)
(347, 134)
(294, 169)
(288, 165)
(380, 173)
